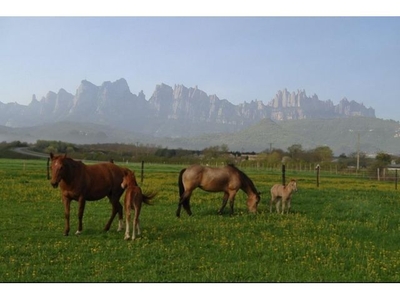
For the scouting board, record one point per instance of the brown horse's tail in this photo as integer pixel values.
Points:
(147, 197)
(180, 183)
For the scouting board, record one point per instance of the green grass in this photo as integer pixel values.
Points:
(347, 230)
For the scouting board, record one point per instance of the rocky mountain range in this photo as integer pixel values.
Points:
(171, 111)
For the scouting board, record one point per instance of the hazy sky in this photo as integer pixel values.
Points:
(237, 58)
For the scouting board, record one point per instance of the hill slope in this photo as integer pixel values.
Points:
(341, 135)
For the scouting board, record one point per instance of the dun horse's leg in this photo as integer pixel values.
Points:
(224, 202)
(185, 202)
(278, 205)
(81, 210)
(231, 203)
(178, 211)
(186, 206)
(67, 209)
(283, 206)
(289, 205)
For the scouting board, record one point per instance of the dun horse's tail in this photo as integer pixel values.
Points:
(180, 183)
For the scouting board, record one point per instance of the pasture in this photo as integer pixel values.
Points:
(345, 230)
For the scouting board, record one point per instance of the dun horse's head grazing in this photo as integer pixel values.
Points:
(57, 169)
(253, 196)
(252, 202)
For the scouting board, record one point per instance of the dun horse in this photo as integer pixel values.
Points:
(133, 200)
(282, 194)
(82, 182)
(228, 179)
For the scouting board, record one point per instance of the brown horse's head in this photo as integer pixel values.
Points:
(57, 169)
(252, 201)
(129, 179)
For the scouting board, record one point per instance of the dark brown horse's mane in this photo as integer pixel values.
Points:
(70, 159)
(72, 163)
(244, 178)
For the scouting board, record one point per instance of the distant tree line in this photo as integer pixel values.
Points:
(294, 155)
(6, 150)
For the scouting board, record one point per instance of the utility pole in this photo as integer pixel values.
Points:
(358, 151)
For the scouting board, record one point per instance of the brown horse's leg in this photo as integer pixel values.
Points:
(224, 202)
(116, 208)
(120, 216)
(67, 209)
(81, 210)
(136, 221)
(113, 214)
(127, 221)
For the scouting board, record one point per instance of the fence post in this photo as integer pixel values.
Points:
(317, 168)
(395, 184)
(283, 174)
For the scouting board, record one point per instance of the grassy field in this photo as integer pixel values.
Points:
(345, 230)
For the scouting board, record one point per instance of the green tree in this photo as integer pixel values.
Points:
(383, 158)
(323, 154)
(295, 151)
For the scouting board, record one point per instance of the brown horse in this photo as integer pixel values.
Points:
(133, 200)
(82, 182)
(227, 179)
(282, 193)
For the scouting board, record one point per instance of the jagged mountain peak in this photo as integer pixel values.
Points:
(120, 85)
(113, 103)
